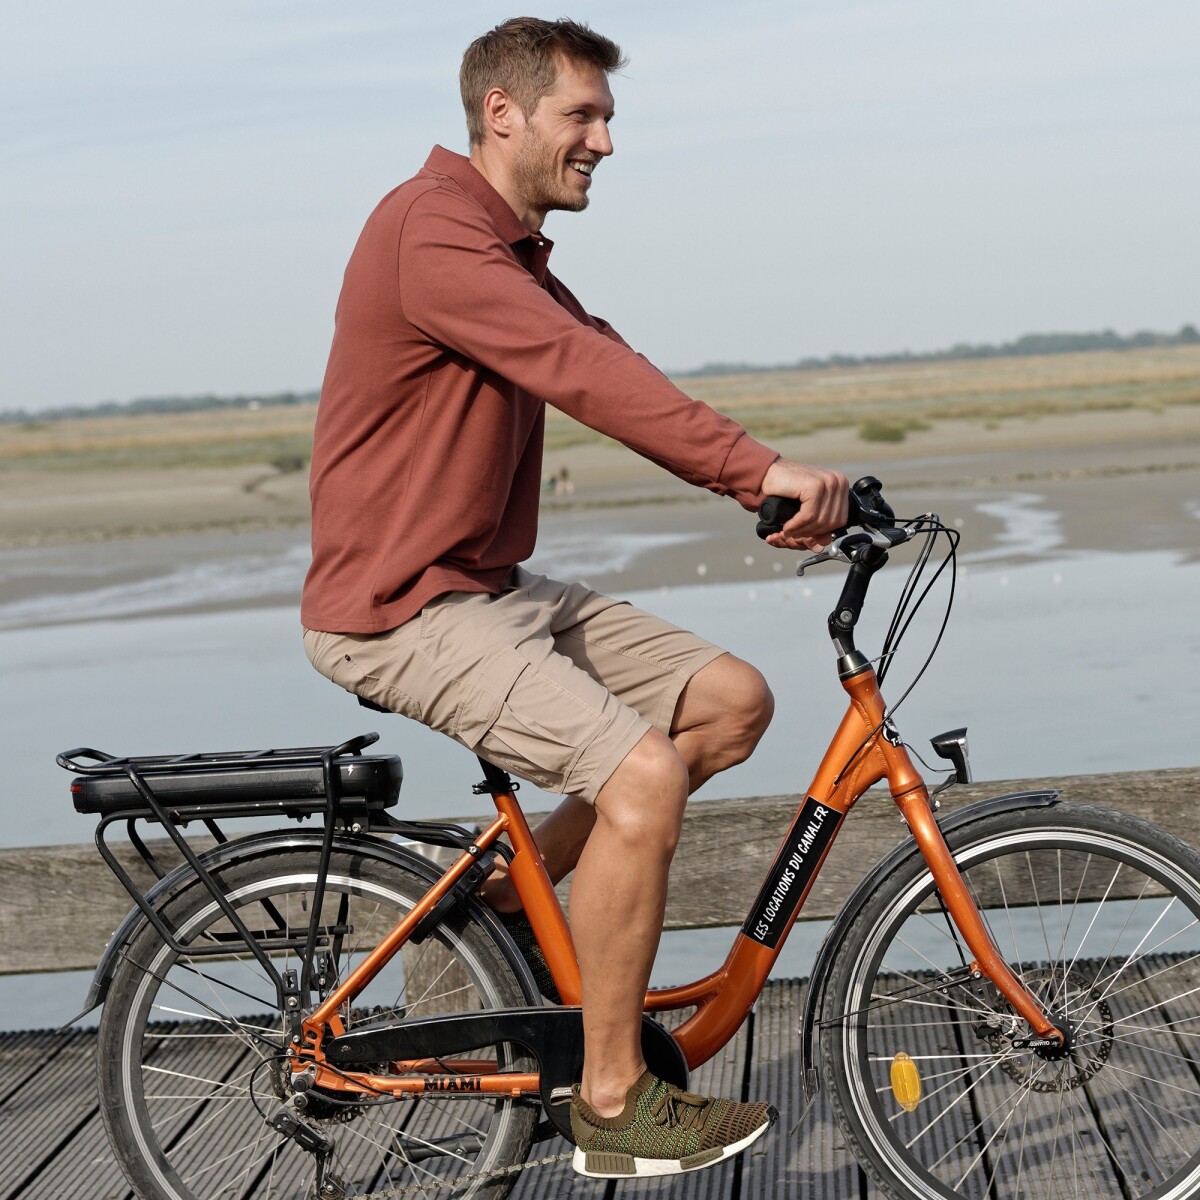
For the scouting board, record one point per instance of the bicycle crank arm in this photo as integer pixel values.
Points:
(554, 1036)
(457, 1146)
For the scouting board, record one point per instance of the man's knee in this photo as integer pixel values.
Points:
(731, 700)
(751, 704)
(645, 796)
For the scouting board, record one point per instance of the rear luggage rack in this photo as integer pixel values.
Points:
(348, 790)
(295, 782)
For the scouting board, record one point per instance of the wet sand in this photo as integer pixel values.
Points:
(1124, 480)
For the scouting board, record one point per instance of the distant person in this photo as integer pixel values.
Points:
(451, 337)
(563, 485)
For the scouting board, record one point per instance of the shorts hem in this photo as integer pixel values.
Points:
(670, 696)
(616, 754)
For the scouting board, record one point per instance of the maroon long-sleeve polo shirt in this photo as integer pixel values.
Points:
(450, 337)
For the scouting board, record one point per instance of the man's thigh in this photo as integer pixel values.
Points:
(551, 681)
(642, 659)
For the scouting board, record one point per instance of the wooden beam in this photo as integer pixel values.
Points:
(58, 904)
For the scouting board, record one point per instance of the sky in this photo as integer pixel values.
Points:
(182, 184)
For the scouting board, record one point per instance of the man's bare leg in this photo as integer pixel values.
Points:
(721, 714)
(618, 898)
(621, 850)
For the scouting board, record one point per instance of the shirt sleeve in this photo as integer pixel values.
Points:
(462, 287)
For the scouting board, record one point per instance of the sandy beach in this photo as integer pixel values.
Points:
(1119, 480)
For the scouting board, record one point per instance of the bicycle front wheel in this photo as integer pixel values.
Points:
(192, 1050)
(1098, 913)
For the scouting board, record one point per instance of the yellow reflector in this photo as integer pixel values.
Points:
(906, 1082)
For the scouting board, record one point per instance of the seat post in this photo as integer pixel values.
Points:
(495, 780)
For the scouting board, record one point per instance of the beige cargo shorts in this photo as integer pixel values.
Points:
(551, 681)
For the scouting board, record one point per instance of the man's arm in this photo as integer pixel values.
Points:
(821, 492)
(460, 285)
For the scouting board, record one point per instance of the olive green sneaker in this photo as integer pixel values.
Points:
(663, 1131)
(521, 932)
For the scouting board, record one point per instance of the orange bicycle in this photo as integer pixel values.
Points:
(1006, 1005)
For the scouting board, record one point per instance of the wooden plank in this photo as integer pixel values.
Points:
(728, 845)
(804, 1155)
(51, 1115)
(58, 905)
(1150, 1086)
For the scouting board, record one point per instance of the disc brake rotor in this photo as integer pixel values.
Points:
(1075, 997)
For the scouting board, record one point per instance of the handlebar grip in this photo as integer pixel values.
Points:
(866, 506)
(775, 513)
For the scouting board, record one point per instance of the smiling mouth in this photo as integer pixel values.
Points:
(582, 168)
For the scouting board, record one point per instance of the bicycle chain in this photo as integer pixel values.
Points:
(440, 1185)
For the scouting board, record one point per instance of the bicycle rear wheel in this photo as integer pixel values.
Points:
(191, 1050)
(1099, 914)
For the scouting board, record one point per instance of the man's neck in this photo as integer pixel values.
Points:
(494, 169)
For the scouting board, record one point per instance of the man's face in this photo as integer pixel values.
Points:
(564, 138)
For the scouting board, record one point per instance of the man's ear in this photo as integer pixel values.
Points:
(501, 114)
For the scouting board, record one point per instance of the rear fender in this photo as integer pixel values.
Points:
(830, 947)
(257, 845)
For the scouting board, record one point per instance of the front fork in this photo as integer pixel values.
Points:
(853, 765)
(964, 913)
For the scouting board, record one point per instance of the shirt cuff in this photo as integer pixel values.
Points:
(744, 469)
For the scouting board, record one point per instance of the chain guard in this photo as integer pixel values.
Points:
(553, 1035)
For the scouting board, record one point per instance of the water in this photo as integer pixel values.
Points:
(1056, 666)
(1060, 663)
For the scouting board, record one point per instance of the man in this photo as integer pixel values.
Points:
(451, 335)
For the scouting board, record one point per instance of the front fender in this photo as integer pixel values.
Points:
(257, 845)
(815, 992)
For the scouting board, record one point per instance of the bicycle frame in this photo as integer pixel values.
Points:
(864, 751)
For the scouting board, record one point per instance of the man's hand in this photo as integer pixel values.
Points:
(823, 498)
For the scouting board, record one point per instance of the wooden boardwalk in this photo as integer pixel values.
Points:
(57, 1148)
(58, 904)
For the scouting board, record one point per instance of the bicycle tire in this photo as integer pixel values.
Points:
(1099, 913)
(190, 1050)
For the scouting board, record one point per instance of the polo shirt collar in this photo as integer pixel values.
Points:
(536, 249)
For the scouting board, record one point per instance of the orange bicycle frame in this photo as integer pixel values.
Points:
(861, 754)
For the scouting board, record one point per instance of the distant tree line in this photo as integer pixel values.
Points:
(1029, 344)
(160, 404)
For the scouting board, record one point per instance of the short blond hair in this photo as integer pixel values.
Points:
(521, 57)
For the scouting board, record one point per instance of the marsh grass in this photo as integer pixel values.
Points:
(277, 437)
(884, 429)
(881, 402)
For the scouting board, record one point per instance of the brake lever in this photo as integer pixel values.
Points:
(832, 553)
(836, 551)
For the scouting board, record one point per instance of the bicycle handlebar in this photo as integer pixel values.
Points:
(867, 508)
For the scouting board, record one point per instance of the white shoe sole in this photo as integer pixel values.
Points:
(648, 1168)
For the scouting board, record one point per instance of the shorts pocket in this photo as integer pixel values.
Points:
(484, 694)
(358, 679)
(373, 666)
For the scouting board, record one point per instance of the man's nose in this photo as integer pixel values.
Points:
(599, 141)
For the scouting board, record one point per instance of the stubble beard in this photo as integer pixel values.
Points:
(537, 175)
